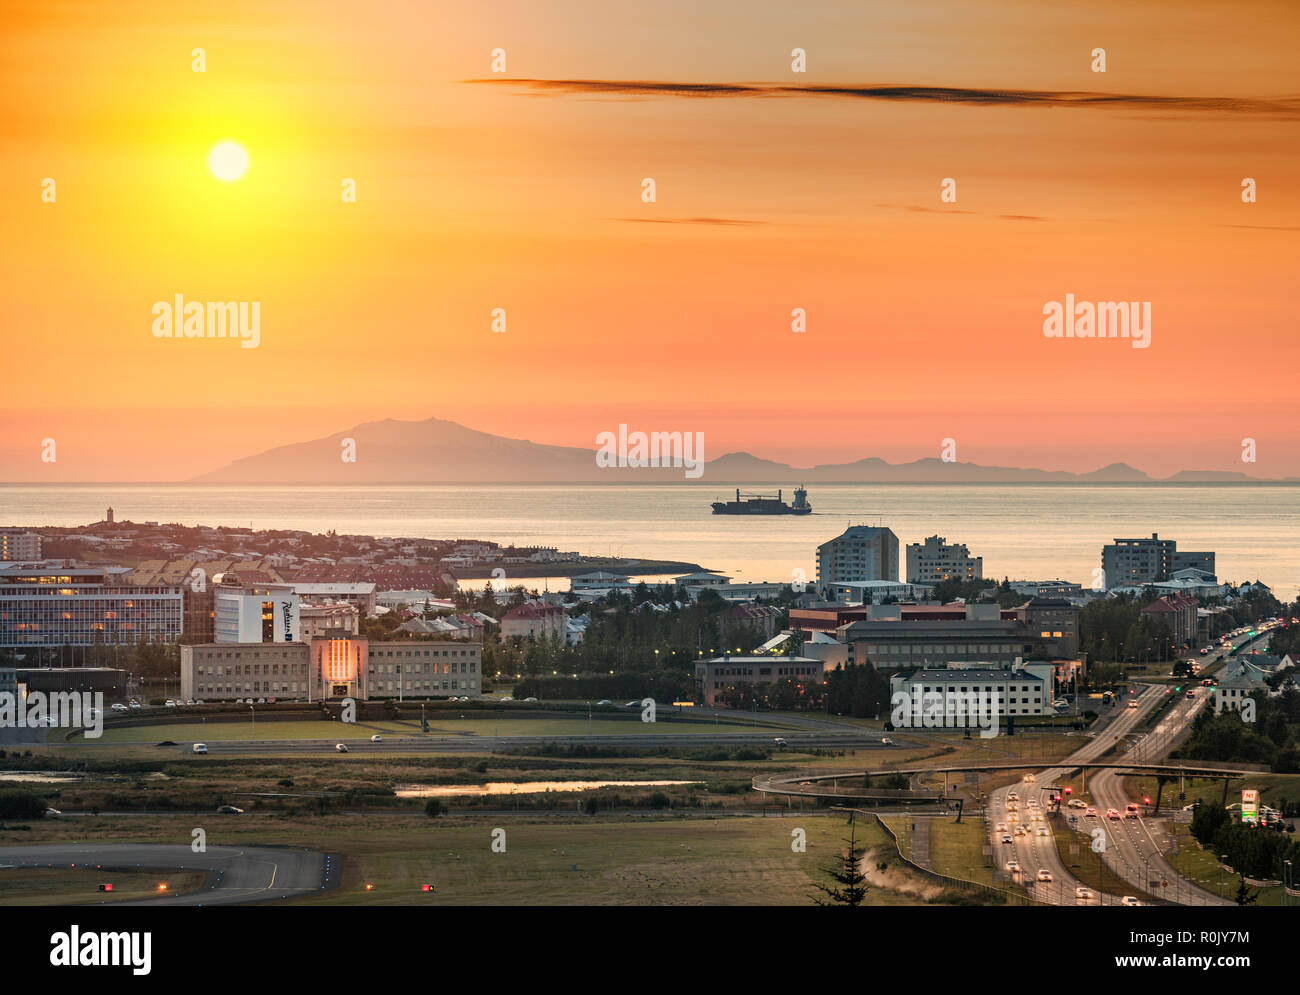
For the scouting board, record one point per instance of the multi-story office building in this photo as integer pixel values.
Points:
(83, 606)
(325, 621)
(1140, 561)
(862, 552)
(324, 669)
(1053, 625)
(19, 546)
(936, 560)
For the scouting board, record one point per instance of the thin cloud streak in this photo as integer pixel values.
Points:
(1285, 107)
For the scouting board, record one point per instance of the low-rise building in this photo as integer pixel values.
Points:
(331, 669)
(946, 692)
(534, 620)
(1177, 612)
(713, 678)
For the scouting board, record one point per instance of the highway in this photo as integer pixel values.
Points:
(1036, 851)
(236, 875)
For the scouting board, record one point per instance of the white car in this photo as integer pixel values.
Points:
(1084, 894)
(1001, 827)
(1006, 838)
(118, 707)
(135, 704)
(1042, 831)
(604, 701)
(780, 741)
(886, 741)
(530, 699)
(507, 698)
(170, 703)
(200, 747)
(1129, 900)
(376, 739)
(340, 748)
(1044, 875)
(1013, 866)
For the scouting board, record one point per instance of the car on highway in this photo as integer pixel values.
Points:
(1013, 796)
(1028, 779)
(340, 747)
(1076, 803)
(199, 748)
(1036, 817)
(1042, 831)
(134, 704)
(604, 701)
(1013, 866)
(1084, 894)
(1191, 692)
(1006, 838)
(1013, 807)
(780, 741)
(117, 706)
(1132, 704)
(229, 810)
(530, 699)
(1112, 813)
(1044, 875)
(376, 738)
(886, 741)
(1129, 900)
(1001, 827)
(170, 703)
(1012, 817)
(1131, 811)
(52, 813)
(1091, 813)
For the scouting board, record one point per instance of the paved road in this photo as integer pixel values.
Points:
(1036, 852)
(236, 874)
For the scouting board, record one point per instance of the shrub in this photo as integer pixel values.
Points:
(21, 805)
(433, 808)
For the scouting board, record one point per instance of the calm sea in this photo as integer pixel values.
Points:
(1022, 531)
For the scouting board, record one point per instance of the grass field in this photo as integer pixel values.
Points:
(620, 860)
(269, 730)
(80, 886)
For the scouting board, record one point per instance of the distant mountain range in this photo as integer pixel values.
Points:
(435, 451)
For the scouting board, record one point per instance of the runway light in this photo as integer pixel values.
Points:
(369, 886)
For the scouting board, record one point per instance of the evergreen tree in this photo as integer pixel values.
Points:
(850, 887)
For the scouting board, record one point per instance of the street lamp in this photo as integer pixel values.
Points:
(253, 712)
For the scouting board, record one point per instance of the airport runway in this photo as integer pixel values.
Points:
(236, 875)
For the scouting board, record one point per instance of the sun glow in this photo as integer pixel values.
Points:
(228, 160)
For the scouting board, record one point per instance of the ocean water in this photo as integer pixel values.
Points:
(1022, 531)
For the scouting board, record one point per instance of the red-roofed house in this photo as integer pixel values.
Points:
(533, 620)
(1178, 612)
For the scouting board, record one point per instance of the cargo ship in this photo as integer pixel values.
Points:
(760, 504)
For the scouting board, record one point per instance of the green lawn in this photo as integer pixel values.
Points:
(80, 886)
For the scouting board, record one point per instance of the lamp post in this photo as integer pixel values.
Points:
(253, 712)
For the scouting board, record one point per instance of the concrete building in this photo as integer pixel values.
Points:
(19, 546)
(1142, 561)
(361, 594)
(875, 592)
(768, 590)
(1047, 588)
(83, 606)
(534, 621)
(1053, 625)
(325, 669)
(326, 621)
(943, 694)
(714, 677)
(260, 614)
(598, 584)
(936, 560)
(758, 620)
(861, 552)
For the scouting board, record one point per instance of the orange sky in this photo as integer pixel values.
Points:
(924, 318)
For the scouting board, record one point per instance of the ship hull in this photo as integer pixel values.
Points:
(755, 508)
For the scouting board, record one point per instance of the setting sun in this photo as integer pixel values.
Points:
(228, 161)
